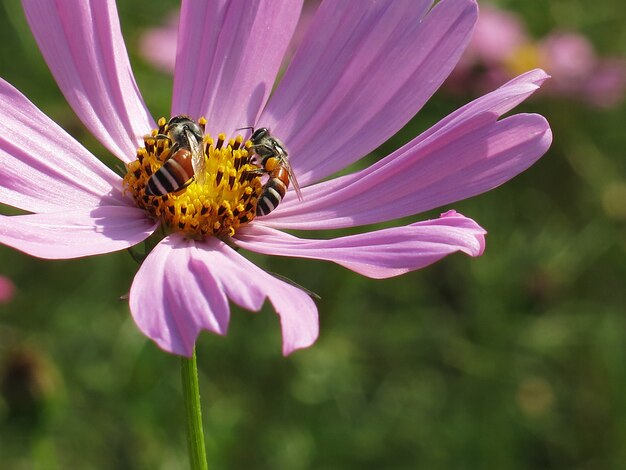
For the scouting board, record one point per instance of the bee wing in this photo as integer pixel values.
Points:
(294, 181)
(278, 149)
(198, 162)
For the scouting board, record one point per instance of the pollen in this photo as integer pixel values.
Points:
(215, 203)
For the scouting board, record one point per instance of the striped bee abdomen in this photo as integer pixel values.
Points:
(275, 188)
(172, 176)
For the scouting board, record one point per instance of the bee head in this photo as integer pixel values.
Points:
(259, 134)
(178, 125)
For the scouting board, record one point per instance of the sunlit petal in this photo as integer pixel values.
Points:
(465, 154)
(83, 46)
(76, 233)
(228, 55)
(183, 286)
(377, 254)
(364, 69)
(42, 168)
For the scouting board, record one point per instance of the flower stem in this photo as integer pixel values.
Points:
(191, 394)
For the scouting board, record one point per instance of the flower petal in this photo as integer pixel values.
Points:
(42, 168)
(83, 46)
(183, 286)
(171, 302)
(364, 69)
(465, 154)
(76, 233)
(227, 58)
(378, 254)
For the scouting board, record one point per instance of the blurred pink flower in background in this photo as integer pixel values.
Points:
(356, 80)
(501, 48)
(497, 35)
(578, 72)
(158, 45)
(7, 290)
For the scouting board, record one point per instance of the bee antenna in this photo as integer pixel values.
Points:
(245, 128)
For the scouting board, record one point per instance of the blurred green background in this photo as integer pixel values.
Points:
(515, 360)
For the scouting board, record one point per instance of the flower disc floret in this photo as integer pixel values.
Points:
(226, 198)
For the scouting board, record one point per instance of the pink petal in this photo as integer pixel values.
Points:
(76, 233)
(227, 58)
(498, 102)
(171, 302)
(42, 168)
(465, 154)
(83, 46)
(183, 286)
(362, 72)
(378, 254)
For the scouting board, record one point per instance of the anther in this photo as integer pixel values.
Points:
(237, 142)
(220, 141)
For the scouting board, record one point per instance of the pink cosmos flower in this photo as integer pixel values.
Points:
(498, 34)
(158, 45)
(578, 71)
(7, 290)
(363, 69)
(501, 47)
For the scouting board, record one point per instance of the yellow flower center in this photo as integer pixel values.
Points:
(225, 200)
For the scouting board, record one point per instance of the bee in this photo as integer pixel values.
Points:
(274, 162)
(186, 159)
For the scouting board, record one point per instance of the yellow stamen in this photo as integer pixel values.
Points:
(226, 199)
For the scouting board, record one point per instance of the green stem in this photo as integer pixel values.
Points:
(193, 410)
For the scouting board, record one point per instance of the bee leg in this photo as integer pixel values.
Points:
(258, 171)
(186, 184)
